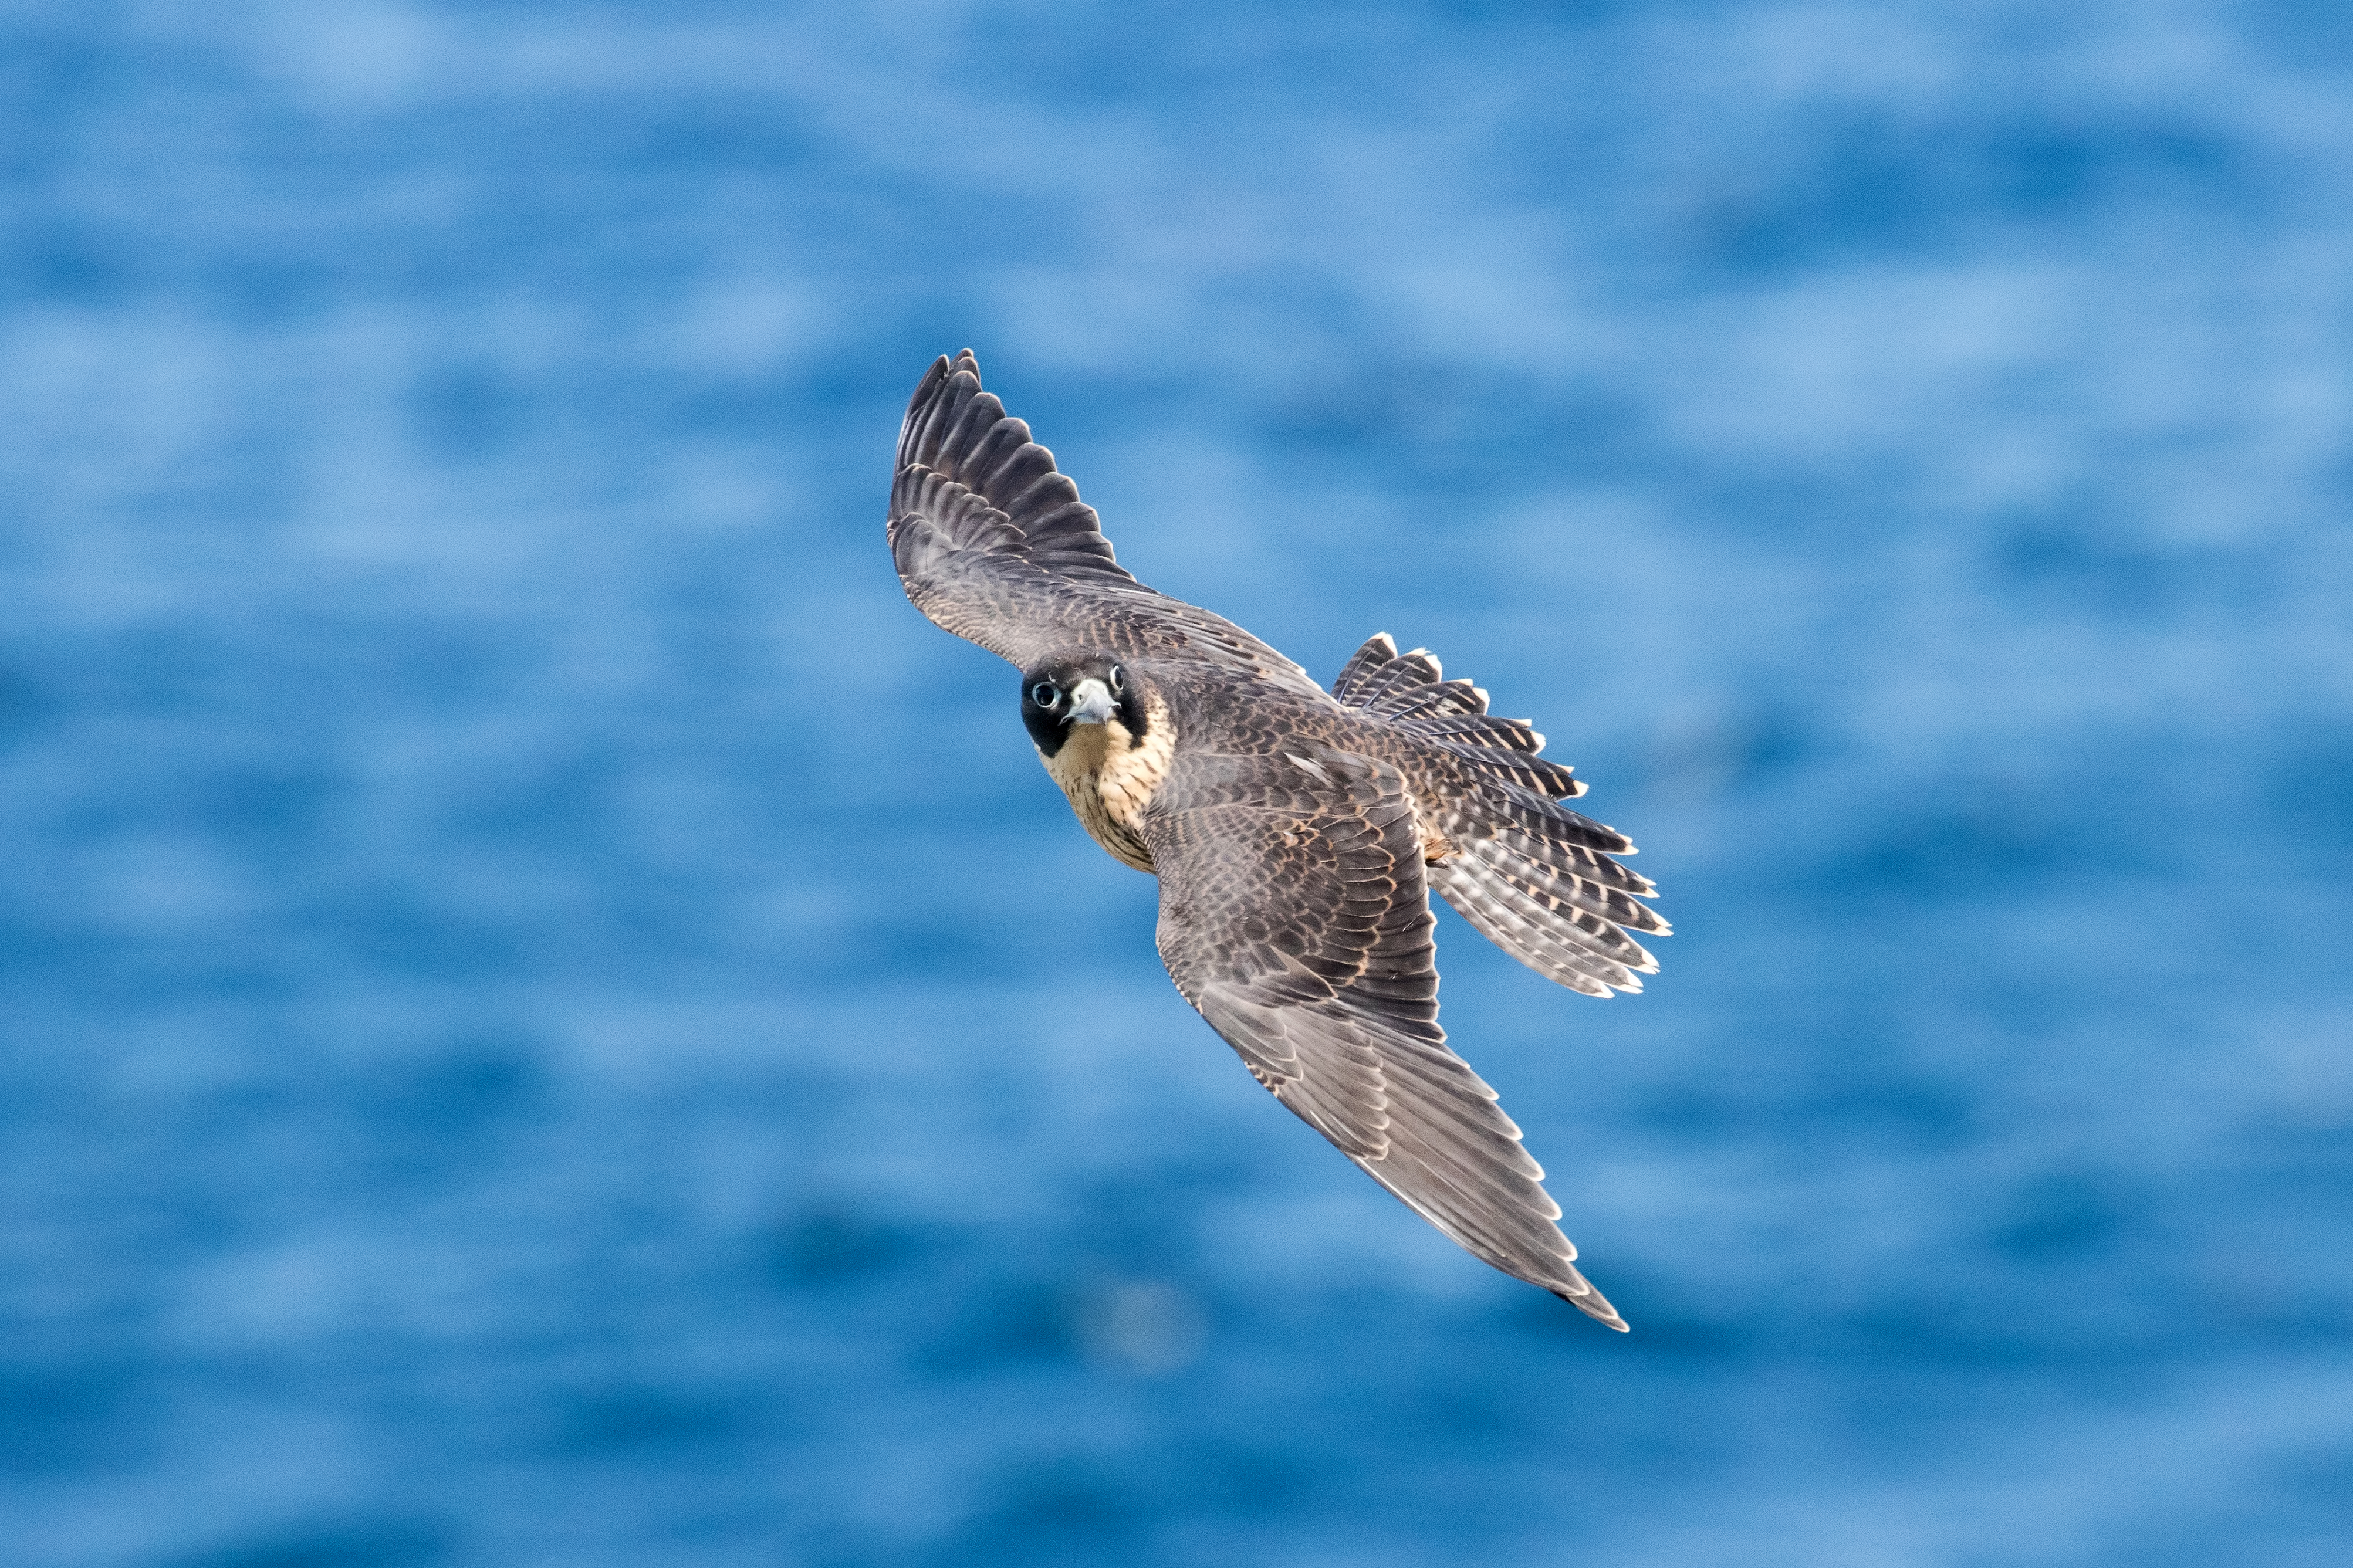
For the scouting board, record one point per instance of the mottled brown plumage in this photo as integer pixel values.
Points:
(1296, 833)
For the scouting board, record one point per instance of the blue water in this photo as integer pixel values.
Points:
(551, 1019)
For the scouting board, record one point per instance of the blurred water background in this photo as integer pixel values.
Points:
(551, 1019)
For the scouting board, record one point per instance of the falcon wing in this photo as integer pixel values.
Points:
(993, 544)
(1293, 915)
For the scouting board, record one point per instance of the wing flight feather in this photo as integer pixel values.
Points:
(1294, 915)
(994, 544)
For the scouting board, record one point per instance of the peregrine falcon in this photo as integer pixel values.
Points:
(1296, 832)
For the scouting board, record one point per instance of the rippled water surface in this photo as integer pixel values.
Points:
(551, 1019)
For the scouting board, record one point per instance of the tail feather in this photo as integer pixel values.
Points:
(1526, 930)
(1545, 880)
(1582, 863)
(1483, 730)
(1445, 699)
(1555, 823)
(1402, 674)
(1532, 875)
(1409, 692)
(1553, 781)
(1377, 670)
(1542, 897)
(1378, 650)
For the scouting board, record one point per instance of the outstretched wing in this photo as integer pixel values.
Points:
(993, 542)
(1293, 915)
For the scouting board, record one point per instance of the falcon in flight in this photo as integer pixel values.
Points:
(1297, 833)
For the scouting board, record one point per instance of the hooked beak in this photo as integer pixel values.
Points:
(1090, 703)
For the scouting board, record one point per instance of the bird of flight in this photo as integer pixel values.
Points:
(1296, 832)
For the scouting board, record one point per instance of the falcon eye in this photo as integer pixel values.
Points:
(1045, 694)
(1116, 686)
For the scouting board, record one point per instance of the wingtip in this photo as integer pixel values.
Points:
(1594, 1305)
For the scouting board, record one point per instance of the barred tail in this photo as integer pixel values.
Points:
(1535, 878)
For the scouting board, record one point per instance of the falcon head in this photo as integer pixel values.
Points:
(1059, 695)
